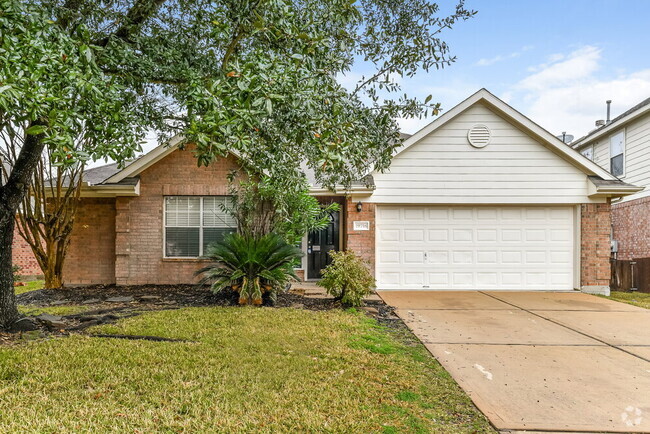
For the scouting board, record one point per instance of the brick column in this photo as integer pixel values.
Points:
(361, 242)
(595, 253)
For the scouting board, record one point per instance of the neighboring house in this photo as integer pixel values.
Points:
(482, 198)
(622, 146)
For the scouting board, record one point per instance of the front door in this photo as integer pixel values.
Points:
(319, 244)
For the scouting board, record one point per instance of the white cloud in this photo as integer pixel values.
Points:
(501, 57)
(569, 92)
(448, 96)
(579, 65)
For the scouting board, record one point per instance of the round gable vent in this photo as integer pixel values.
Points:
(479, 136)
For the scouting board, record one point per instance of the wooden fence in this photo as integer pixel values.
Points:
(631, 274)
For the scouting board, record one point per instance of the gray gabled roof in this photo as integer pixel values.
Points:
(98, 175)
(600, 182)
(643, 103)
(620, 119)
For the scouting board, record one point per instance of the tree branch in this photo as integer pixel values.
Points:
(12, 192)
(67, 13)
(139, 13)
(238, 35)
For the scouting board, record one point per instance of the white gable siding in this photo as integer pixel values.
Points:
(601, 153)
(513, 169)
(637, 153)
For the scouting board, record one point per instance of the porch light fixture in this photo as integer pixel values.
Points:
(359, 207)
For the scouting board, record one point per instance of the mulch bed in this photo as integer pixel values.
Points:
(109, 303)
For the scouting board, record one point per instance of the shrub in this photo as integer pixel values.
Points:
(347, 278)
(252, 266)
(16, 270)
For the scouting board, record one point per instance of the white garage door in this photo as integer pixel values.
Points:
(475, 248)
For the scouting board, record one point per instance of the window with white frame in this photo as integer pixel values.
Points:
(192, 223)
(588, 152)
(617, 154)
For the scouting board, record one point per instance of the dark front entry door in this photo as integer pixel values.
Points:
(319, 244)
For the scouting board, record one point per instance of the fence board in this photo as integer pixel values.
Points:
(625, 274)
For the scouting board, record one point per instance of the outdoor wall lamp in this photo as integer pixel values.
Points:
(359, 207)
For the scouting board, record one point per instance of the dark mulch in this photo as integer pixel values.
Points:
(165, 295)
(178, 295)
(157, 295)
(109, 303)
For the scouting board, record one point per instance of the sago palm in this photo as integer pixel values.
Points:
(251, 266)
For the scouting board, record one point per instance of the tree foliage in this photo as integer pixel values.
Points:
(258, 78)
(53, 95)
(263, 205)
(52, 89)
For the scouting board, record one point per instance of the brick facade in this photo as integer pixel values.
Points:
(631, 228)
(139, 222)
(21, 255)
(361, 242)
(120, 240)
(595, 228)
(91, 254)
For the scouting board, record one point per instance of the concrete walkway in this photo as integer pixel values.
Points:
(559, 362)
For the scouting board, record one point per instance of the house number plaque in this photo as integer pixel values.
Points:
(361, 225)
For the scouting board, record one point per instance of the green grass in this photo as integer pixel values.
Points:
(52, 310)
(29, 286)
(640, 299)
(246, 370)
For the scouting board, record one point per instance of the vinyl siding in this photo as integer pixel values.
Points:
(637, 153)
(513, 169)
(601, 153)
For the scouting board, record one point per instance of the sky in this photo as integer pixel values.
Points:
(556, 61)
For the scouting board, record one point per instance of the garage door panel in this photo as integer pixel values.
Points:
(438, 257)
(385, 235)
(487, 279)
(438, 235)
(487, 235)
(511, 235)
(529, 248)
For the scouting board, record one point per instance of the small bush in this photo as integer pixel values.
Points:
(347, 278)
(16, 270)
(253, 267)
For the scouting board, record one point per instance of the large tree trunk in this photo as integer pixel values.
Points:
(8, 310)
(11, 194)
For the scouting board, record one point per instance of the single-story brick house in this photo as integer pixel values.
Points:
(481, 198)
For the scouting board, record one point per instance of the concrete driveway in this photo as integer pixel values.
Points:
(539, 361)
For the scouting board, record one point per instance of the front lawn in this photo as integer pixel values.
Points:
(29, 286)
(237, 370)
(640, 299)
(52, 310)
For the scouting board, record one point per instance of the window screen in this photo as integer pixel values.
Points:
(193, 223)
(616, 153)
(588, 152)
